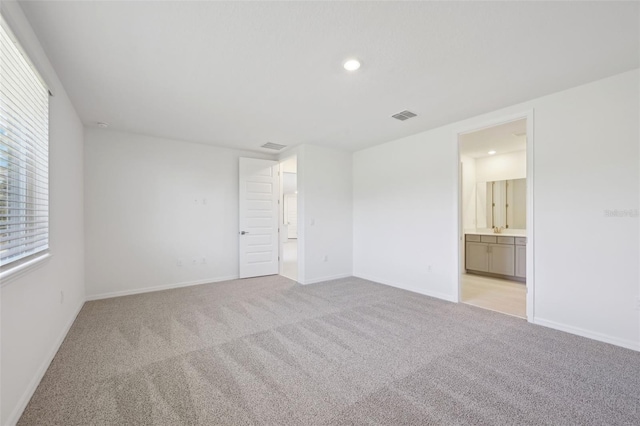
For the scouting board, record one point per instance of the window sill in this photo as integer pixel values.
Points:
(14, 273)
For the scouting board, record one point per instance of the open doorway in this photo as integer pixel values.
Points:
(289, 218)
(494, 205)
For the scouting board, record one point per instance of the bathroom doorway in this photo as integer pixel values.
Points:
(495, 205)
(288, 205)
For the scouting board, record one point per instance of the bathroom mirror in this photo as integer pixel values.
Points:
(502, 204)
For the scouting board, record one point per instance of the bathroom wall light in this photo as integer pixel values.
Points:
(491, 152)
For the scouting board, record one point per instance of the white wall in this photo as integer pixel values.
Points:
(468, 194)
(34, 319)
(404, 221)
(150, 203)
(325, 222)
(289, 184)
(512, 165)
(289, 165)
(586, 274)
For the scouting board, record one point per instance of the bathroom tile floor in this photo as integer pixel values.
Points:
(508, 297)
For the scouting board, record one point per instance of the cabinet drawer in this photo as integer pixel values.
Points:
(487, 239)
(505, 240)
(473, 237)
(521, 241)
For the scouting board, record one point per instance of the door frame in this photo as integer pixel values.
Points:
(280, 216)
(459, 231)
(300, 239)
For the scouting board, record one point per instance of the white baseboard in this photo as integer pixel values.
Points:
(35, 381)
(629, 344)
(159, 288)
(329, 278)
(437, 295)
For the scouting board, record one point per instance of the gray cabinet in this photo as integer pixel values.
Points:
(501, 259)
(521, 261)
(496, 255)
(477, 256)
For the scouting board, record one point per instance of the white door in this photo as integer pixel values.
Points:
(258, 217)
(291, 214)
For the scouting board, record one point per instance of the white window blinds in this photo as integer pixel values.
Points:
(24, 156)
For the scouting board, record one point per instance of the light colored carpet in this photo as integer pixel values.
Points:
(270, 351)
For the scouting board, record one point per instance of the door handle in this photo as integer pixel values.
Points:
(244, 232)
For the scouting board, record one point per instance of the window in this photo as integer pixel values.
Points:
(24, 157)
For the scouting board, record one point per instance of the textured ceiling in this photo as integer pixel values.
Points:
(240, 74)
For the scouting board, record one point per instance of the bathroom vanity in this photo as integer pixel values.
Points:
(500, 255)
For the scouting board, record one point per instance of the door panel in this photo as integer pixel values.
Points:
(502, 259)
(258, 217)
(477, 258)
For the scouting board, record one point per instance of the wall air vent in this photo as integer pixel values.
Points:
(404, 115)
(271, 145)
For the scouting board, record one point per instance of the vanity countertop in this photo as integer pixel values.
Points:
(503, 233)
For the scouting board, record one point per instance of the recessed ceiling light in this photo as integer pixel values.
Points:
(491, 152)
(103, 125)
(351, 65)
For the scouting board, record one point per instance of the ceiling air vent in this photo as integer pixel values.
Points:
(404, 115)
(271, 145)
